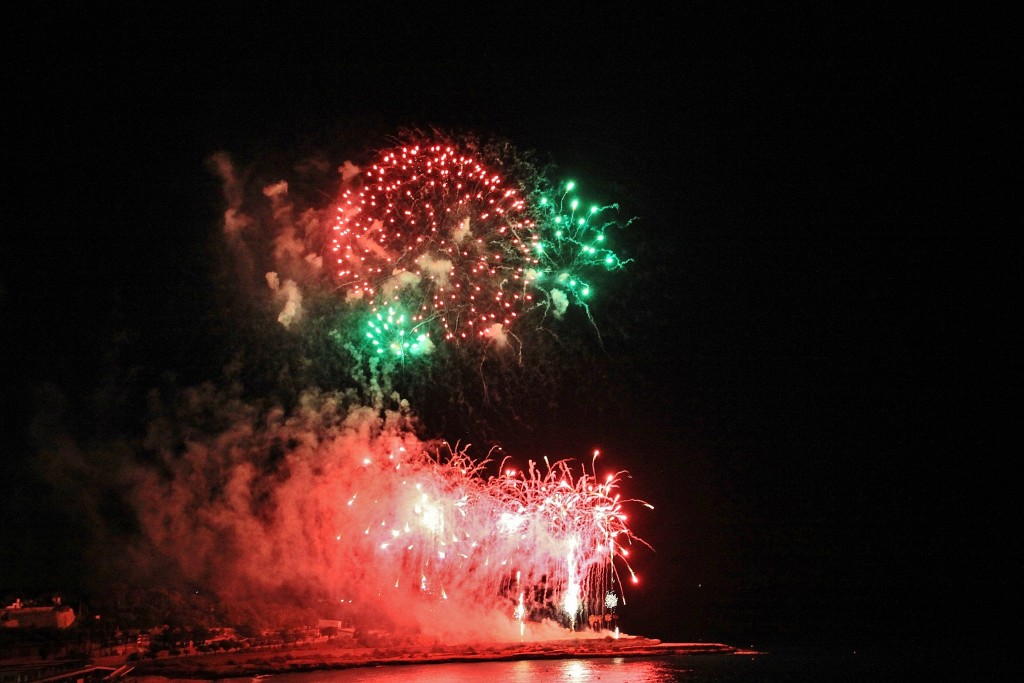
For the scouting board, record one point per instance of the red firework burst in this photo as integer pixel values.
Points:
(437, 231)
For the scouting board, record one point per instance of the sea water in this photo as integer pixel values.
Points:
(695, 668)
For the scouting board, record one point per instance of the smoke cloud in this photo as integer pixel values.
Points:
(326, 503)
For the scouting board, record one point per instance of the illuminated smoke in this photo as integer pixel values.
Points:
(340, 502)
(334, 506)
(289, 293)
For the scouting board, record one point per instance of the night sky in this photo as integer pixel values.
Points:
(784, 360)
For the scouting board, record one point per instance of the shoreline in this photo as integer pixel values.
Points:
(329, 657)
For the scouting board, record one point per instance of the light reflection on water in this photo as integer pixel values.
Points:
(713, 668)
(605, 670)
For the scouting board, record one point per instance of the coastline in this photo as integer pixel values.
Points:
(328, 657)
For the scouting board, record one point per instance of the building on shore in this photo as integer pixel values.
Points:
(18, 615)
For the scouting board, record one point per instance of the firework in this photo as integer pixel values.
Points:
(433, 242)
(450, 533)
(436, 235)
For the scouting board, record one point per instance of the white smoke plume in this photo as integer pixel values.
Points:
(288, 292)
(461, 231)
(497, 334)
(559, 301)
(439, 268)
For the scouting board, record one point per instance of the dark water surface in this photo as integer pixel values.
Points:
(766, 667)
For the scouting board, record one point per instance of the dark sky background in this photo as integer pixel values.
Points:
(809, 342)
